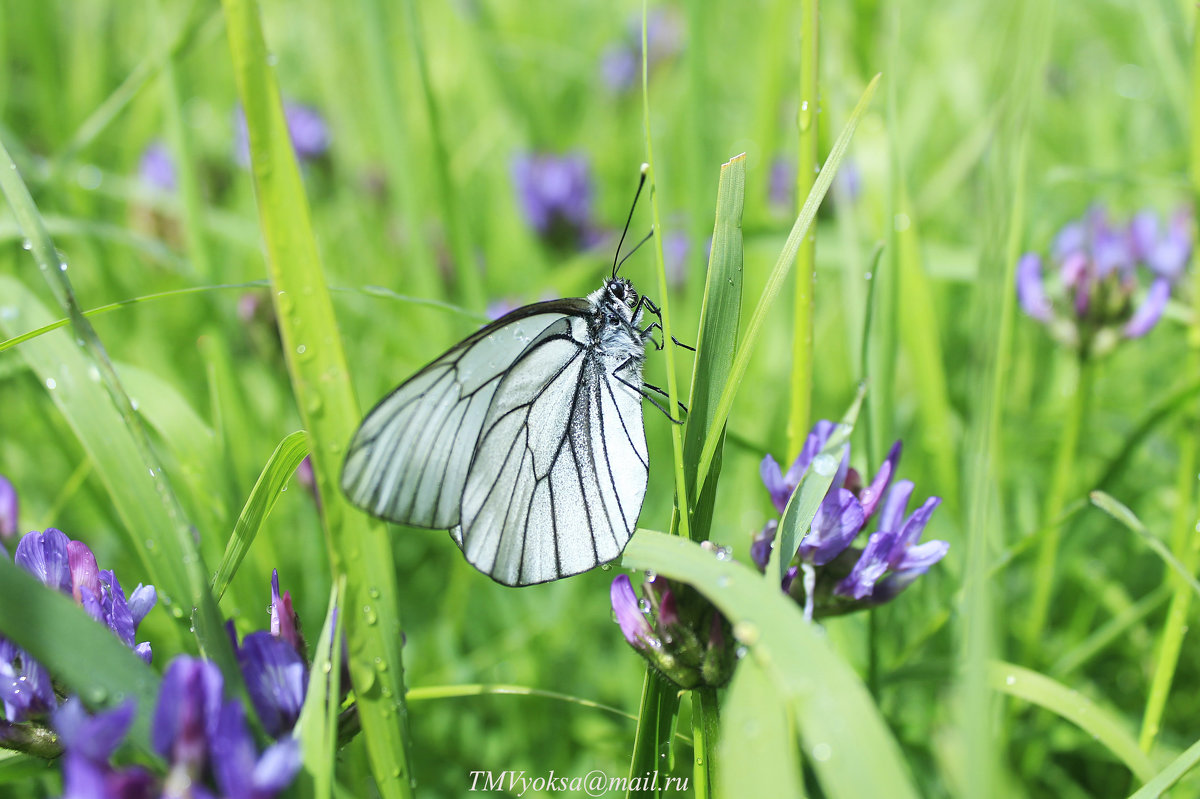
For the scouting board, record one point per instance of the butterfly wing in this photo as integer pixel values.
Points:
(558, 478)
(409, 460)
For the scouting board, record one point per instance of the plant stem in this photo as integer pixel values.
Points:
(656, 720)
(706, 725)
(806, 275)
(1060, 486)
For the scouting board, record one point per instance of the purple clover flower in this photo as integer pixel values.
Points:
(555, 193)
(675, 629)
(68, 567)
(1100, 265)
(201, 734)
(157, 169)
(307, 130)
(892, 553)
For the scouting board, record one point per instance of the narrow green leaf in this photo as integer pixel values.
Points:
(1073, 706)
(775, 281)
(655, 732)
(275, 475)
(758, 748)
(18, 767)
(1125, 516)
(720, 316)
(317, 727)
(55, 631)
(814, 485)
(1173, 773)
(831, 709)
(316, 361)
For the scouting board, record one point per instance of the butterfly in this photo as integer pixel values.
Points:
(525, 440)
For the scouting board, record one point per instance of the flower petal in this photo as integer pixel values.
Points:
(9, 507)
(891, 518)
(97, 736)
(44, 555)
(1031, 293)
(141, 601)
(838, 521)
(760, 547)
(276, 679)
(277, 767)
(910, 534)
(84, 572)
(871, 565)
(872, 494)
(1150, 311)
(634, 626)
(777, 487)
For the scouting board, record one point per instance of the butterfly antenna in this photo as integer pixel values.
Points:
(636, 247)
(617, 255)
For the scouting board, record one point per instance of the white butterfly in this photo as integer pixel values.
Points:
(525, 440)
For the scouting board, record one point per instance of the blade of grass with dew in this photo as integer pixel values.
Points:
(317, 727)
(316, 362)
(664, 305)
(1173, 773)
(55, 631)
(1104, 727)
(153, 523)
(756, 725)
(1158, 414)
(278, 470)
(814, 485)
(775, 281)
(1125, 516)
(833, 714)
(64, 227)
(800, 405)
(716, 342)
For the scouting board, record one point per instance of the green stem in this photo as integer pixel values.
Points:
(656, 720)
(806, 274)
(1061, 484)
(681, 492)
(706, 724)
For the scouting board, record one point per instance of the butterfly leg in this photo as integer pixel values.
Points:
(642, 390)
(654, 310)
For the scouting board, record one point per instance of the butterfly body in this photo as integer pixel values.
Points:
(525, 440)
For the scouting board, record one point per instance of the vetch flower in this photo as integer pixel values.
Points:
(555, 194)
(276, 679)
(9, 509)
(240, 772)
(1101, 269)
(675, 629)
(89, 742)
(25, 687)
(827, 573)
(156, 167)
(307, 130)
(284, 622)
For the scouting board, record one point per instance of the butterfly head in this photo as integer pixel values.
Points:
(620, 292)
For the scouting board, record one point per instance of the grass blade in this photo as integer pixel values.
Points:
(317, 365)
(1125, 516)
(720, 315)
(1073, 706)
(775, 282)
(829, 706)
(317, 727)
(759, 723)
(275, 476)
(1173, 773)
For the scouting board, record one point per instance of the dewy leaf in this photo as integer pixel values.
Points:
(835, 718)
(757, 752)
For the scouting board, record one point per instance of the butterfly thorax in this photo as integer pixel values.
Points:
(615, 320)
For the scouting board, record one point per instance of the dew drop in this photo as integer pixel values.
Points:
(89, 176)
(868, 276)
(644, 605)
(605, 567)
(1010, 680)
(26, 245)
(51, 384)
(746, 632)
(824, 464)
(62, 266)
(901, 223)
(301, 349)
(651, 575)
(822, 752)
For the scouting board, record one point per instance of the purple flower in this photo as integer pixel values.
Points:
(239, 770)
(849, 181)
(892, 553)
(9, 509)
(306, 128)
(676, 248)
(25, 688)
(185, 718)
(781, 183)
(284, 622)
(621, 63)
(45, 556)
(619, 67)
(276, 679)
(1090, 306)
(89, 742)
(634, 626)
(156, 168)
(555, 193)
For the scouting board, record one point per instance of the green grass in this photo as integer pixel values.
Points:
(1048, 655)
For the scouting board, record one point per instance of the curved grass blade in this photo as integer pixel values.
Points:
(275, 475)
(1173, 773)
(757, 755)
(720, 315)
(780, 271)
(830, 708)
(317, 726)
(1157, 415)
(814, 485)
(359, 546)
(1125, 516)
(55, 631)
(1073, 706)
